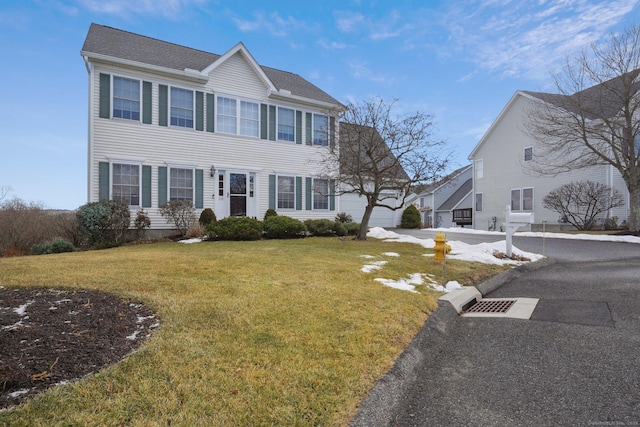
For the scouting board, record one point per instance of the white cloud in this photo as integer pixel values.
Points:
(526, 38)
(272, 23)
(361, 70)
(166, 8)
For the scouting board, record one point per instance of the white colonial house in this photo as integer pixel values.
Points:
(167, 122)
(447, 203)
(502, 175)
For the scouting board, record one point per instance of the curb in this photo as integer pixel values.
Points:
(379, 407)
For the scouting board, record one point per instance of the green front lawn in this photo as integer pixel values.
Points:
(273, 332)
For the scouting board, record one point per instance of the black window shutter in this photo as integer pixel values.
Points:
(162, 185)
(105, 96)
(146, 186)
(272, 122)
(146, 102)
(298, 127)
(263, 121)
(210, 112)
(199, 110)
(163, 103)
(103, 180)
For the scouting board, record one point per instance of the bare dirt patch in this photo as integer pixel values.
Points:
(50, 337)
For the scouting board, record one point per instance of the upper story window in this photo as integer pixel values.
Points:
(238, 117)
(286, 192)
(249, 118)
(320, 194)
(479, 168)
(125, 186)
(528, 154)
(320, 129)
(478, 202)
(181, 184)
(286, 124)
(126, 98)
(181, 107)
(227, 115)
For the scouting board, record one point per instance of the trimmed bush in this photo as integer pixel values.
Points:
(352, 228)
(270, 212)
(235, 228)
(207, 216)
(325, 228)
(411, 218)
(283, 227)
(58, 246)
(103, 223)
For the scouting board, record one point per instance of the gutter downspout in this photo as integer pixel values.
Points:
(90, 167)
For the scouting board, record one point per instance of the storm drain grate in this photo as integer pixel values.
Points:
(491, 306)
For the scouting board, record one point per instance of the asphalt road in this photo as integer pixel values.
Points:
(576, 362)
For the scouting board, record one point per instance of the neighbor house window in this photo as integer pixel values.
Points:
(126, 183)
(479, 169)
(515, 200)
(478, 202)
(528, 154)
(320, 194)
(249, 118)
(286, 192)
(286, 124)
(126, 98)
(181, 107)
(227, 113)
(181, 184)
(320, 129)
(527, 199)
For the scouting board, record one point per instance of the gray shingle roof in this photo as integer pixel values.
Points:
(121, 44)
(457, 196)
(603, 100)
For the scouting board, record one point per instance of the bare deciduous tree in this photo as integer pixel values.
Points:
(4, 191)
(580, 203)
(381, 155)
(594, 119)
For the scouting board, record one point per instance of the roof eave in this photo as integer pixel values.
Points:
(286, 95)
(186, 74)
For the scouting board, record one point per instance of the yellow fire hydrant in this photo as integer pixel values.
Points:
(441, 247)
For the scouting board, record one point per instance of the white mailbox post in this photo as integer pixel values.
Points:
(515, 220)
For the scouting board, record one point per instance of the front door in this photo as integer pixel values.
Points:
(238, 194)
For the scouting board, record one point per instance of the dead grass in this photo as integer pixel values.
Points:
(253, 333)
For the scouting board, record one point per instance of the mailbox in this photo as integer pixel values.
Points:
(515, 220)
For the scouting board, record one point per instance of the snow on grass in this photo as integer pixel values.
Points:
(21, 310)
(391, 254)
(372, 266)
(482, 252)
(547, 235)
(189, 241)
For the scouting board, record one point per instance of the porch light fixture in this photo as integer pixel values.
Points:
(212, 171)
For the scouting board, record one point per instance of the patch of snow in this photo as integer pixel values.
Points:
(134, 335)
(143, 318)
(16, 325)
(547, 235)
(408, 284)
(19, 392)
(63, 300)
(367, 256)
(21, 310)
(189, 241)
(375, 265)
(391, 254)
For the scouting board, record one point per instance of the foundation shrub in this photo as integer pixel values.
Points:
(283, 227)
(235, 228)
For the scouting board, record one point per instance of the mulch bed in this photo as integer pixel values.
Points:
(50, 337)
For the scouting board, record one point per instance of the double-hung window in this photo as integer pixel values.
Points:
(249, 118)
(479, 169)
(528, 154)
(126, 98)
(181, 184)
(522, 199)
(478, 202)
(181, 107)
(286, 124)
(286, 192)
(321, 194)
(320, 129)
(227, 115)
(125, 186)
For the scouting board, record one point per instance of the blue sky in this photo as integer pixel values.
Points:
(460, 61)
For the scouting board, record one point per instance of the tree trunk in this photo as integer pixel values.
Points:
(634, 215)
(364, 224)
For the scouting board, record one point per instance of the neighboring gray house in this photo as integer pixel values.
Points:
(167, 122)
(447, 203)
(502, 175)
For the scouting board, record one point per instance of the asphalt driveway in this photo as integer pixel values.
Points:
(575, 362)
